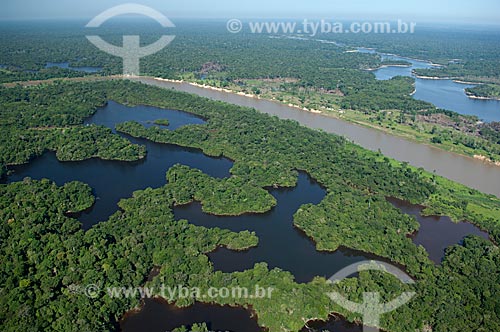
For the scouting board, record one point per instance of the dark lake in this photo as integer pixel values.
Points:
(65, 65)
(163, 317)
(112, 180)
(437, 233)
(158, 316)
(280, 244)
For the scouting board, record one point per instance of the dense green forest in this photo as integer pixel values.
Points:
(304, 72)
(233, 196)
(49, 260)
(162, 122)
(392, 94)
(471, 72)
(224, 58)
(199, 43)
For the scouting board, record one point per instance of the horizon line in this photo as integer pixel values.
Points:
(221, 18)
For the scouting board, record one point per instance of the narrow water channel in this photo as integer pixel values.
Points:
(281, 245)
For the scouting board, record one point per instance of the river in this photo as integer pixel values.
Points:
(473, 173)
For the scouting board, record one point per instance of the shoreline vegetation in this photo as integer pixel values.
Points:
(324, 78)
(389, 65)
(440, 74)
(432, 64)
(438, 78)
(49, 260)
(161, 122)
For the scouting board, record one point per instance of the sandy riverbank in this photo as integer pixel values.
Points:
(486, 159)
(387, 66)
(248, 95)
(435, 78)
(471, 96)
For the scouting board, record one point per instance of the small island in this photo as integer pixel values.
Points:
(162, 122)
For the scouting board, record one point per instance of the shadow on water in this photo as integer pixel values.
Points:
(159, 316)
(112, 180)
(333, 324)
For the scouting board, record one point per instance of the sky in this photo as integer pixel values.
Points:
(460, 11)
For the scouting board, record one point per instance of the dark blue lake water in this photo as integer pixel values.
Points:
(445, 94)
(112, 180)
(65, 65)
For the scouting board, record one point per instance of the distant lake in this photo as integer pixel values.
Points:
(65, 65)
(445, 94)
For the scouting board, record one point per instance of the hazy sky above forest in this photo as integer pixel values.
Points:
(478, 11)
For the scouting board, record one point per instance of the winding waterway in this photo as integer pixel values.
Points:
(443, 93)
(468, 171)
